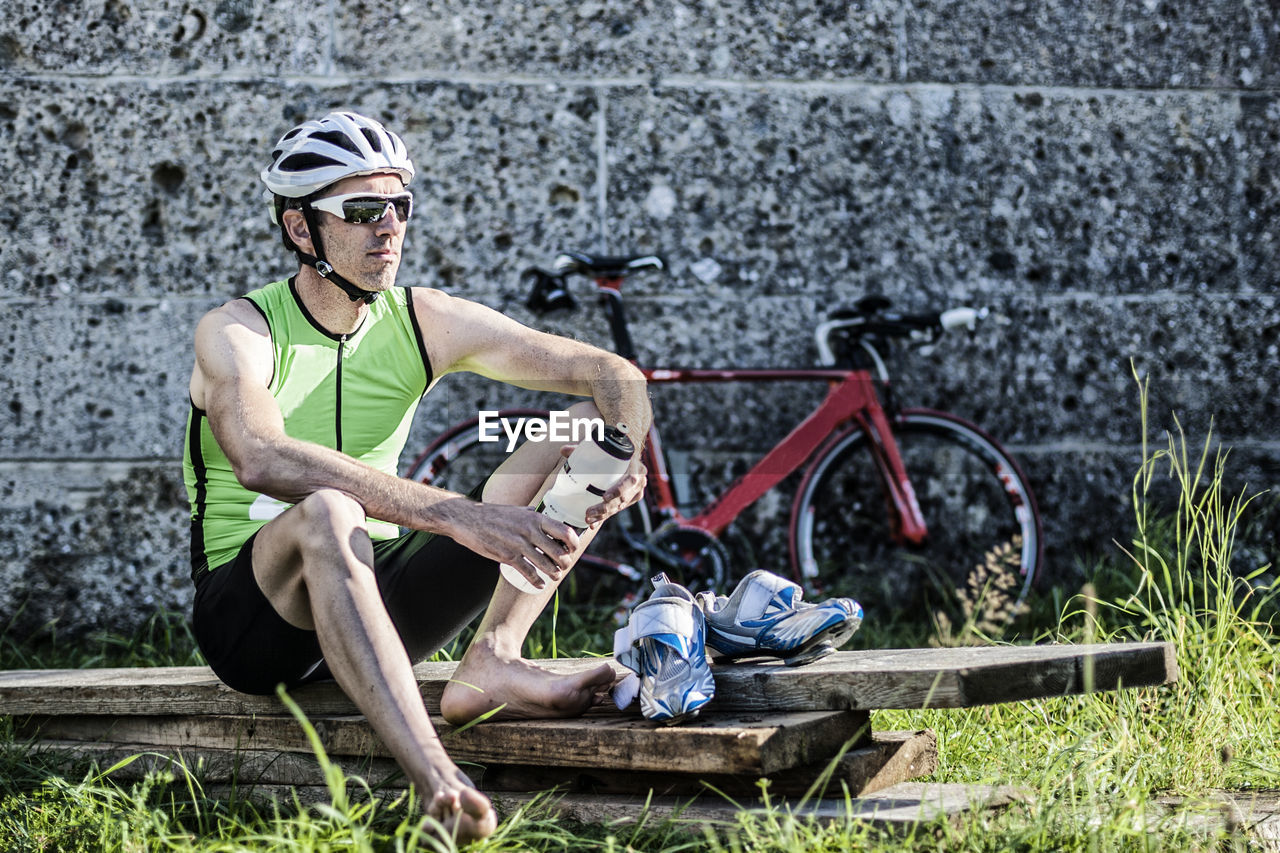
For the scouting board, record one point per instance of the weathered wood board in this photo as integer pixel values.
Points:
(889, 758)
(859, 680)
(900, 807)
(903, 804)
(715, 743)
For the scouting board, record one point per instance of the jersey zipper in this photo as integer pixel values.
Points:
(337, 413)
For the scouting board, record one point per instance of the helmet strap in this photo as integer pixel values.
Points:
(323, 267)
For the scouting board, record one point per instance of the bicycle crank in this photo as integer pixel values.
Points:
(691, 556)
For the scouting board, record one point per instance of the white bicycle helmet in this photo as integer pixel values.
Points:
(323, 151)
(317, 154)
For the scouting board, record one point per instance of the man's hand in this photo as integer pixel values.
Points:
(523, 538)
(620, 495)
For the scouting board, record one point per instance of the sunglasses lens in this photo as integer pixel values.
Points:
(362, 211)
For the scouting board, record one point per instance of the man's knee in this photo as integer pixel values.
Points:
(329, 513)
(320, 543)
(584, 416)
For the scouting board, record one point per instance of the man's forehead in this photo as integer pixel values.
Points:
(383, 182)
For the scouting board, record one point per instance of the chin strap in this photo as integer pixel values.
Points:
(324, 268)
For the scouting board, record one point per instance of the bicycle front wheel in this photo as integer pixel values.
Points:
(983, 547)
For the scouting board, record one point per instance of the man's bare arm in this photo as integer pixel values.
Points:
(233, 367)
(464, 335)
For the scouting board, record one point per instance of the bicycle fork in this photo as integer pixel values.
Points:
(906, 522)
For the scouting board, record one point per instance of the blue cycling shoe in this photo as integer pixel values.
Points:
(765, 617)
(664, 643)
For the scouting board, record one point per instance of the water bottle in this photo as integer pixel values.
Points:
(584, 477)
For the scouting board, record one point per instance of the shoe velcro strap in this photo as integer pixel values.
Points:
(668, 620)
(762, 589)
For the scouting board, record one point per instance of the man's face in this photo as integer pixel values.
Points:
(366, 255)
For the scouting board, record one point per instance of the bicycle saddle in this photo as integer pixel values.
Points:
(604, 266)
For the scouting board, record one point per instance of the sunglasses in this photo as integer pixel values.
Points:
(366, 208)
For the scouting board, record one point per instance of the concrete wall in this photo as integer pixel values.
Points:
(1104, 176)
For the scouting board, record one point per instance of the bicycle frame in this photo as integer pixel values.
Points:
(852, 398)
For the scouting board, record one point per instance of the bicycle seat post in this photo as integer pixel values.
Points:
(609, 273)
(610, 290)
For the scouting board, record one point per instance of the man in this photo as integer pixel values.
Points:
(302, 395)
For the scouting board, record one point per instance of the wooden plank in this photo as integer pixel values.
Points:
(714, 743)
(1250, 818)
(890, 758)
(887, 759)
(861, 680)
(243, 767)
(899, 806)
(947, 678)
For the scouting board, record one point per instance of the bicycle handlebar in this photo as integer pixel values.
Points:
(870, 323)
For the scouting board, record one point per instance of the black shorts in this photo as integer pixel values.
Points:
(432, 587)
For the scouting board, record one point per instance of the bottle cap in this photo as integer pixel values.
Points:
(616, 443)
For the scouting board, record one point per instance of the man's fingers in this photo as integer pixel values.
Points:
(558, 531)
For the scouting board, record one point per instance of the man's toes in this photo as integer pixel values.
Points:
(478, 807)
(601, 676)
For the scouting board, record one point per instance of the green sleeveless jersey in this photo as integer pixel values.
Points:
(354, 393)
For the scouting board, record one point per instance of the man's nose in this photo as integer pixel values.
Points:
(389, 222)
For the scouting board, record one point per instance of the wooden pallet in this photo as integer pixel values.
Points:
(793, 726)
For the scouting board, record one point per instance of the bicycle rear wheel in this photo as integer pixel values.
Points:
(984, 543)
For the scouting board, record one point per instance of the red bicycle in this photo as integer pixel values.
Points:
(902, 503)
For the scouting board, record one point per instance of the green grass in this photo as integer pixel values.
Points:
(1195, 574)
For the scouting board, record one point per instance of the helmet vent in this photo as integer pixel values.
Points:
(374, 142)
(305, 160)
(338, 138)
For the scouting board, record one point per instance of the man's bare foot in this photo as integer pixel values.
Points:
(466, 815)
(484, 681)
(451, 798)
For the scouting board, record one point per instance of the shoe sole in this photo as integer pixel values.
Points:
(678, 719)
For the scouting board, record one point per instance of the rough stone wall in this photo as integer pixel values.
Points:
(1104, 175)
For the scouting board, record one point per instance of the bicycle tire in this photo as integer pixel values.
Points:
(977, 506)
(458, 461)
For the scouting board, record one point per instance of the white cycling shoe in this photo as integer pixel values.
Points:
(765, 617)
(664, 644)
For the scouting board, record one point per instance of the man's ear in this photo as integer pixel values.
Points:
(295, 225)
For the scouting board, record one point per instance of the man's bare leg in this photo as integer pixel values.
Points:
(315, 565)
(492, 674)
